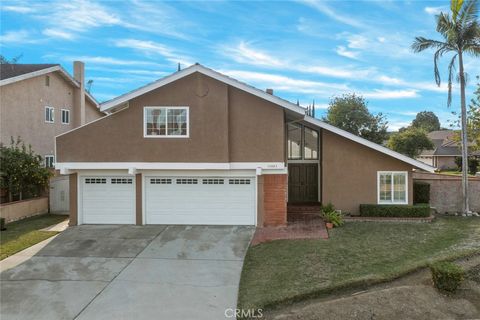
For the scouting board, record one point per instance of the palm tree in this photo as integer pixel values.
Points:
(461, 35)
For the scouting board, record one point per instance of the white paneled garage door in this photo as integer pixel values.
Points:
(109, 200)
(200, 200)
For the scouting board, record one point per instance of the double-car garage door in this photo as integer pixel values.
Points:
(170, 200)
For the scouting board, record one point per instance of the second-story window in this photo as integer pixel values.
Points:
(65, 116)
(165, 122)
(49, 114)
(302, 142)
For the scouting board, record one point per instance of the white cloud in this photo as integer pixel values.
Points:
(435, 10)
(17, 37)
(324, 8)
(154, 48)
(158, 17)
(283, 83)
(110, 61)
(18, 9)
(81, 15)
(390, 94)
(244, 53)
(342, 51)
(55, 33)
(396, 125)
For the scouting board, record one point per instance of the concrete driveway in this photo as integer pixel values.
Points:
(127, 272)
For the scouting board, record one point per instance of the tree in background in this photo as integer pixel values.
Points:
(410, 142)
(426, 120)
(473, 122)
(461, 34)
(350, 113)
(22, 172)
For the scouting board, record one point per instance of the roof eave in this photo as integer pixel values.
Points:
(105, 106)
(372, 145)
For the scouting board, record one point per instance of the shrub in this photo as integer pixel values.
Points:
(386, 210)
(473, 164)
(2, 224)
(331, 215)
(421, 192)
(447, 276)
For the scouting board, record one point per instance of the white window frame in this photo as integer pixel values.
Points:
(379, 173)
(68, 112)
(53, 160)
(52, 111)
(166, 129)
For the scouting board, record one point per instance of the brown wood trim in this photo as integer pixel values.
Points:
(138, 199)
(73, 185)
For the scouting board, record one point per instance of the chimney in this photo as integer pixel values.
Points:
(79, 93)
(269, 91)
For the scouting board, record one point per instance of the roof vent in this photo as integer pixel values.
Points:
(269, 91)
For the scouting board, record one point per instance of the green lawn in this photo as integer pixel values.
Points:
(454, 173)
(356, 255)
(25, 233)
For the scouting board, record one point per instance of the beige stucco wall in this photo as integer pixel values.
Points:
(443, 163)
(22, 209)
(446, 191)
(225, 125)
(22, 111)
(349, 172)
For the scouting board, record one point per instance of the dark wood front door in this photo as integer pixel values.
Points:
(302, 182)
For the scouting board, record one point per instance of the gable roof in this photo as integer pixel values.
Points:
(110, 104)
(123, 99)
(10, 70)
(11, 73)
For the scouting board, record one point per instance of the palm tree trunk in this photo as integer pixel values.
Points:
(465, 206)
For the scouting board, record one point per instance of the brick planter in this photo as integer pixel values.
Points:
(275, 199)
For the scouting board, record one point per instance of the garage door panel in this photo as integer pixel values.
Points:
(108, 200)
(199, 200)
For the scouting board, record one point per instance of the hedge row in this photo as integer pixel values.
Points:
(385, 210)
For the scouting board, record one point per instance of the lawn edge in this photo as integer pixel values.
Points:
(362, 284)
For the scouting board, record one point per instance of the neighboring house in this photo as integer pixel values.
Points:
(41, 101)
(198, 147)
(446, 149)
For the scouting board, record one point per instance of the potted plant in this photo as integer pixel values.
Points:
(332, 217)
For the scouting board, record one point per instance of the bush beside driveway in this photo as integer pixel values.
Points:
(356, 255)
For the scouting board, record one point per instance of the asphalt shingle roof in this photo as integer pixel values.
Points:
(11, 70)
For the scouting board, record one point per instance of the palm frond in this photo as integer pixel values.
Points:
(468, 13)
(451, 71)
(438, 54)
(473, 50)
(455, 7)
(445, 25)
(421, 43)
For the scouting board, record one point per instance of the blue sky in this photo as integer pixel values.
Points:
(304, 50)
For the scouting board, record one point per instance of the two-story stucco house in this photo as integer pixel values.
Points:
(41, 101)
(198, 147)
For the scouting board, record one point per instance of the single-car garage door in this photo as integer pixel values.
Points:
(200, 200)
(109, 200)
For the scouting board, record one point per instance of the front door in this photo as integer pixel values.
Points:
(302, 182)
